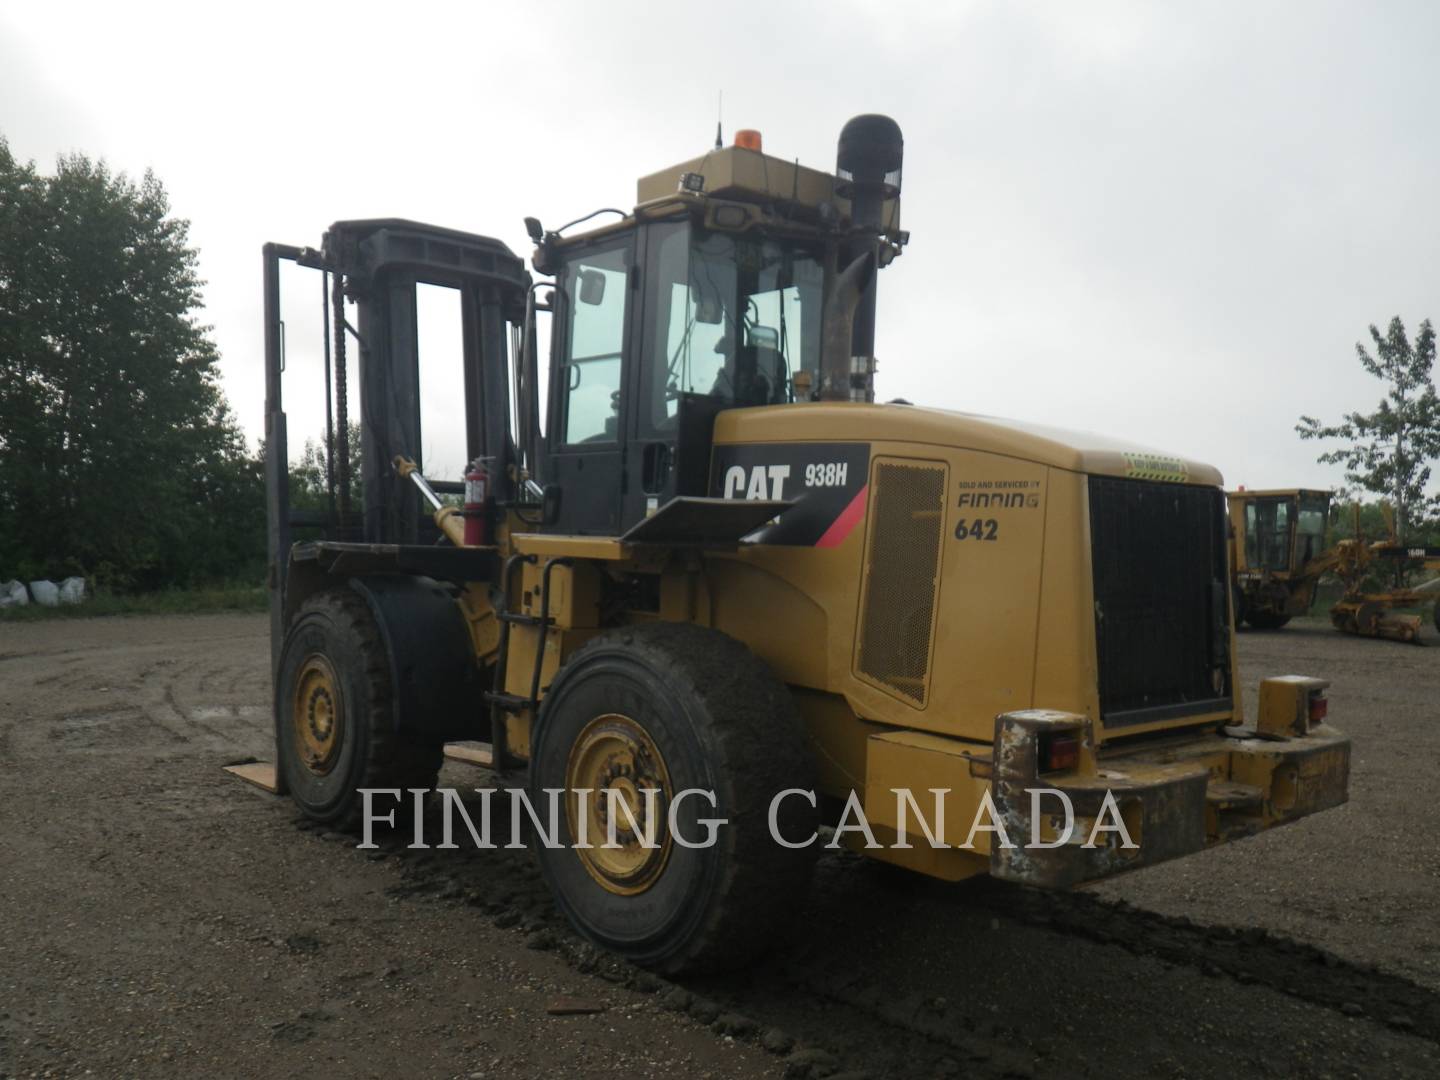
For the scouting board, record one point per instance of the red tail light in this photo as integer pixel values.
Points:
(1059, 752)
(1319, 707)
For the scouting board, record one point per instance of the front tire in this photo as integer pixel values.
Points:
(335, 728)
(1267, 620)
(676, 708)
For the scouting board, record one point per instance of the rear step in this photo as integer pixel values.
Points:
(1225, 795)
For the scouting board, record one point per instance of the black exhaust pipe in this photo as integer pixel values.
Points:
(868, 163)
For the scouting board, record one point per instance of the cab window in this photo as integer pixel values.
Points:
(735, 319)
(597, 289)
(1267, 534)
(1310, 531)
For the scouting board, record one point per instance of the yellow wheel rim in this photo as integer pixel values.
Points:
(615, 763)
(317, 715)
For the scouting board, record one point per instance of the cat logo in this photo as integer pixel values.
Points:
(762, 481)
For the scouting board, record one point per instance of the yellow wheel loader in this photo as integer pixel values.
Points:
(715, 601)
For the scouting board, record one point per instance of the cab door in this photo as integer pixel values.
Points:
(673, 385)
(589, 408)
(654, 424)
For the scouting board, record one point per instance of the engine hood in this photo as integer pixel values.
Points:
(1076, 451)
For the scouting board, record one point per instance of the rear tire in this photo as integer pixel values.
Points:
(335, 728)
(698, 711)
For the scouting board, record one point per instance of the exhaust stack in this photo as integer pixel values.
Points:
(868, 163)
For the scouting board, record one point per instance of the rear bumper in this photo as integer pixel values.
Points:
(1159, 804)
(1214, 790)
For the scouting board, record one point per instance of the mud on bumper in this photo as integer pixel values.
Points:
(1172, 800)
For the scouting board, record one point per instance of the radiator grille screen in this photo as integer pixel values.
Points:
(902, 575)
(1161, 622)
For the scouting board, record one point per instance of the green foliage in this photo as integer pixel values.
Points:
(1387, 451)
(1373, 525)
(119, 459)
(308, 489)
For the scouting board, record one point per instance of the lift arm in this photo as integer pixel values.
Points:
(450, 520)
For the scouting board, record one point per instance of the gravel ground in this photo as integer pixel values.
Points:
(159, 918)
(1364, 879)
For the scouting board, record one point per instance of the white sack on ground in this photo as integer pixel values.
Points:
(45, 593)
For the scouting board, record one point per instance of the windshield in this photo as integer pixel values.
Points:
(736, 318)
(1267, 534)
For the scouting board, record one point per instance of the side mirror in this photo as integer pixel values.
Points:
(592, 287)
(707, 307)
(767, 337)
(550, 504)
(544, 258)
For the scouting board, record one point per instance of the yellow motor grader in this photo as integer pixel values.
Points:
(720, 593)
(1278, 556)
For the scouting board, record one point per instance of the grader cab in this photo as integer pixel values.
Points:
(1279, 554)
(723, 600)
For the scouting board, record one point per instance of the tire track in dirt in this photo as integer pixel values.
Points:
(1249, 955)
(157, 688)
(168, 685)
(895, 976)
(506, 885)
(818, 996)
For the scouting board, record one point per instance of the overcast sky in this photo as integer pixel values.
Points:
(1167, 222)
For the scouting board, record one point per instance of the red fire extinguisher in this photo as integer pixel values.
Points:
(477, 489)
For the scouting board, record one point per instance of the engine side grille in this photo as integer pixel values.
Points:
(1161, 620)
(902, 575)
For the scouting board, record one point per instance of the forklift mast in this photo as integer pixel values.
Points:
(377, 264)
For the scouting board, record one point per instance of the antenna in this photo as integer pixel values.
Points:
(719, 111)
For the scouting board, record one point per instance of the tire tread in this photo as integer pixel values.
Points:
(760, 748)
(391, 760)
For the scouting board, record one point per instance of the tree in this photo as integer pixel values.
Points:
(118, 454)
(308, 489)
(1388, 450)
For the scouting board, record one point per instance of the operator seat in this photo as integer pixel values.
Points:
(752, 375)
